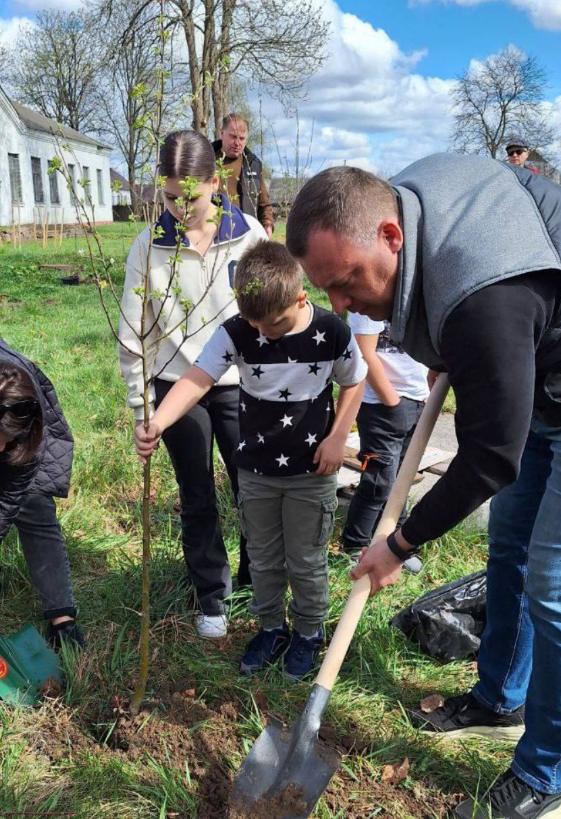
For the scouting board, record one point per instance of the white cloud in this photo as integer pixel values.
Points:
(543, 13)
(369, 82)
(369, 105)
(10, 28)
(556, 122)
(41, 5)
(368, 92)
(389, 155)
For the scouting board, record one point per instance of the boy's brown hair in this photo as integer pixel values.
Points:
(267, 280)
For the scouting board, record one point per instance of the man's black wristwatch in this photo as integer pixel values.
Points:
(396, 549)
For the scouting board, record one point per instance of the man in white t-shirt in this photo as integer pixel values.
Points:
(395, 391)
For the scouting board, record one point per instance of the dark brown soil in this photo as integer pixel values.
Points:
(284, 805)
(8, 301)
(179, 730)
(60, 736)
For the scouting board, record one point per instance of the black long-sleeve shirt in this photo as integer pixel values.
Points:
(491, 347)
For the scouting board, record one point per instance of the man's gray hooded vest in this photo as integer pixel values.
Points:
(468, 222)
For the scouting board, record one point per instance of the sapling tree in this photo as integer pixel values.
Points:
(153, 328)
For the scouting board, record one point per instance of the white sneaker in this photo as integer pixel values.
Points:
(211, 627)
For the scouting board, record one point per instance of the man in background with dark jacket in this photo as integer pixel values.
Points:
(440, 254)
(245, 185)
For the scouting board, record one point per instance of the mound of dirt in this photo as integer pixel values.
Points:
(56, 735)
(51, 688)
(282, 806)
(181, 729)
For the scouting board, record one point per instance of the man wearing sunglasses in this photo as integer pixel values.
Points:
(517, 154)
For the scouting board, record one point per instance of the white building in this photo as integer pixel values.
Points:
(122, 196)
(544, 166)
(27, 192)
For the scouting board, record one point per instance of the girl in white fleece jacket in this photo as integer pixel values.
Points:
(208, 257)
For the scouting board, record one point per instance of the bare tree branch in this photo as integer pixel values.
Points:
(499, 98)
(279, 44)
(56, 66)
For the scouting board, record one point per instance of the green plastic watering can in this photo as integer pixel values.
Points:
(26, 663)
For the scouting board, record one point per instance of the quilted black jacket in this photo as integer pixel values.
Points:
(49, 473)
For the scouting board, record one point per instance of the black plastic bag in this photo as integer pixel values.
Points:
(448, 622)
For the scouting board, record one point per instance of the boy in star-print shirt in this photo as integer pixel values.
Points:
(288, 352)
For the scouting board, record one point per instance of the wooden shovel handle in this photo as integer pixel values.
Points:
(361, 588)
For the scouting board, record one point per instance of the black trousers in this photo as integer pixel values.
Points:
(46, 555)
(385, 433)
(190, 444)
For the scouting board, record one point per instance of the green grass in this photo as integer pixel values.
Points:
(68, 756)
(117, 239)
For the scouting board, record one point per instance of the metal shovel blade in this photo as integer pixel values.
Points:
(287, 769)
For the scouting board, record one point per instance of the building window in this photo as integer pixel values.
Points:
(100, 196)
(72, 174)
(38, 192)
(87, 184)
(15, 179)
(53, 188)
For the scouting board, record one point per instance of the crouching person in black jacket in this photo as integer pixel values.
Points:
(35, 462)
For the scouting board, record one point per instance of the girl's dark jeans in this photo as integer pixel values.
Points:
(190, 444)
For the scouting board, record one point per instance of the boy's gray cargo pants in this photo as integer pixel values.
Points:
(287, 522)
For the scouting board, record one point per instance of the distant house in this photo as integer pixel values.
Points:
(27, 192)
(123, 198)
(283, 190)
(123, 195)
(537, 161)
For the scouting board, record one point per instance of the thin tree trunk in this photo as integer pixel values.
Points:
(220, 100)
(140, 689)
(194, 72)
(130, 168)
(208, 64)
(221, 87)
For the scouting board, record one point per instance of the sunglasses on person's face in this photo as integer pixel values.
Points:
(516, 152)
(24, 410)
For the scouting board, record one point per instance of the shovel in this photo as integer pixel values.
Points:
(287, 769)
(26, 664)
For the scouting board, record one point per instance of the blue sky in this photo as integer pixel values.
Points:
(393, 67)
(382, 99)
(455, 34)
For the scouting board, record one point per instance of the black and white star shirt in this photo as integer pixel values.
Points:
(286, 392)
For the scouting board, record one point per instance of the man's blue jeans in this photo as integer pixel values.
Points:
(520, 656)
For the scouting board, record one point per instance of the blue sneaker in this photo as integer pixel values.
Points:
(302, 655)
(264, 649)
